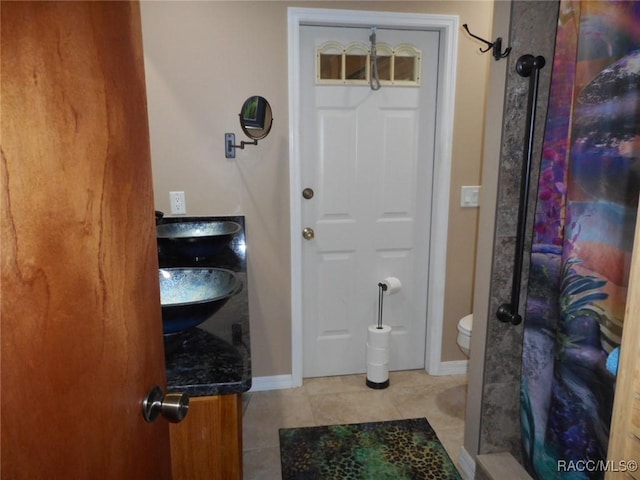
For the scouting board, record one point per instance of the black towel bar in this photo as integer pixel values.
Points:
(527, 66)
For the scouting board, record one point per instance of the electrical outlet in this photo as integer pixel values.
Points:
(178, 207)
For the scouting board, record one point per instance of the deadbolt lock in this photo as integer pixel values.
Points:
(307, 193)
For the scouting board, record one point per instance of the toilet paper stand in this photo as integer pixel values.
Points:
(381, 289)
(378, 354)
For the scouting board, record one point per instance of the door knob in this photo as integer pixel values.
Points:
(308, 193)
(172, 406)
(308, 233)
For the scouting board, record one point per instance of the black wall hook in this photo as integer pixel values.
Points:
(496, 46)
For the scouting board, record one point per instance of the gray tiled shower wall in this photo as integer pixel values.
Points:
(533, 28)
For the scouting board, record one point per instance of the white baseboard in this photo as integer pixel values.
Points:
(453, 367)
(274, 382)
(467, 465)
(279, 382)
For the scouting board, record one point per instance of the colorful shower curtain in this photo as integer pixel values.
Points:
(585, 216)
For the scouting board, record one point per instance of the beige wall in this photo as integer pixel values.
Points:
(203, 59)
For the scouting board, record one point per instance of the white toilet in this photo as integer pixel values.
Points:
(464, 333)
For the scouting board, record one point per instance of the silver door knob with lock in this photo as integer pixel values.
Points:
(308, 233)
(172, 406)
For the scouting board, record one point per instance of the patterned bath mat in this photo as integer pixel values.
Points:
(394, 450)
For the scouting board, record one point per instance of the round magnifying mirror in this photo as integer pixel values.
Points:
(256, 117)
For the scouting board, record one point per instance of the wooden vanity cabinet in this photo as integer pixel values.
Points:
(207, 444)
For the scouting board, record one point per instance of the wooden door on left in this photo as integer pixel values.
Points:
(81, 323)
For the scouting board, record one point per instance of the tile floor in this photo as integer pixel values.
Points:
(346, 399)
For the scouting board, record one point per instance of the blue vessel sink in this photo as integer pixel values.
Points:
(190, 296)
(197, 239)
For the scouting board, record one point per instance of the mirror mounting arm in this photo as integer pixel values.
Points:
(230, 146)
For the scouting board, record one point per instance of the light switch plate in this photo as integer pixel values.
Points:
(469, 196)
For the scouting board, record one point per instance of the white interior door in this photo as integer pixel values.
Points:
(368, 156)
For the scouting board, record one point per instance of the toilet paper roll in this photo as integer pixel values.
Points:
(393, 285)
(377, 373)
(379, 337)
(377, 355)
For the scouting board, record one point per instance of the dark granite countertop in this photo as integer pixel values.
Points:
(213, 358)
